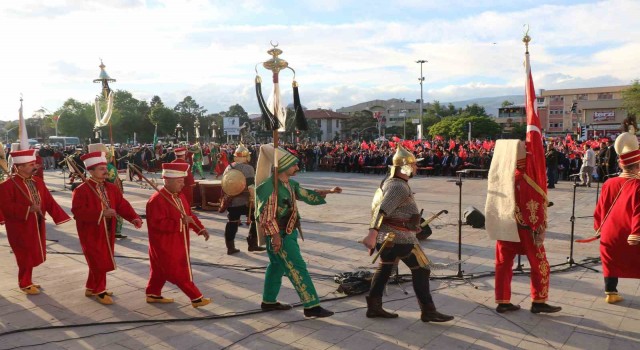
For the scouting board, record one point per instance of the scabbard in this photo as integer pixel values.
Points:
(421, 257)
(387, 241)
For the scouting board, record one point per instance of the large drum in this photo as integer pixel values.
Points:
(207, 194)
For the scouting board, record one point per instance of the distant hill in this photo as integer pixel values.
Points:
(490, 104)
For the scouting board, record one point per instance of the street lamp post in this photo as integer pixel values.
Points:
(421, 79)
(6, 132)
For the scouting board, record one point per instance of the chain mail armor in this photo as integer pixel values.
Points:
(397, 204)
(247, 170)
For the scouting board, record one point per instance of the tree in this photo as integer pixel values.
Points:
(631, 98)
(506, 103)
(358, 122)
(165, 118)
(481, 126)
(77, 119)
(188, 110)
(443, 127)
(130, 116)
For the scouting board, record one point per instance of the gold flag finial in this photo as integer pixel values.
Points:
(526, 39)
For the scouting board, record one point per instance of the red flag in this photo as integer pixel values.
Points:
(452, 144)
(427, 145)
(395, 139)
(373, 146)
(364, 145)
(536, 163)
(408, 144)
(439, 138)
(392, 144)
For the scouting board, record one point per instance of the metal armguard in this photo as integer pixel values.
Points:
(376, 220)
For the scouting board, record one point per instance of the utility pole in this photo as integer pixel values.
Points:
(421, 79)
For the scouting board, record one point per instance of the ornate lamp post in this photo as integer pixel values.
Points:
(213, 128)
(196, 125)
(178, 132)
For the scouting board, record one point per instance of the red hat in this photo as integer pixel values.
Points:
(94, 159)
(180, 151)
(174, 170)
(23, 157)
(630, 157)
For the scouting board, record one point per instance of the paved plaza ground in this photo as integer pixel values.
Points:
(331, 232)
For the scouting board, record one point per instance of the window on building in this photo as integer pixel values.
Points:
(605, 96)
(582, 97)
(320, 123)
(337, 123)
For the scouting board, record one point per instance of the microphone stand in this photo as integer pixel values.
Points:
(570, 260)
(460, 275)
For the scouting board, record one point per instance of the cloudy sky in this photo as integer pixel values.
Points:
(344, 52)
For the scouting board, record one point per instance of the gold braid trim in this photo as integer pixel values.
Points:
(535, 187)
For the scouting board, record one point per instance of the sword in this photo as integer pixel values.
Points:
(388, 240)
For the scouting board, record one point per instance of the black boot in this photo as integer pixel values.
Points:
(275, 306)
(374, 308)
(317, 311)
(537, 308)
(231, 247)
(505, 307)
(430, 314)
(253, 244)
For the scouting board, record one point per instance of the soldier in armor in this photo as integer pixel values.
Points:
(394, 223)
(240, 204)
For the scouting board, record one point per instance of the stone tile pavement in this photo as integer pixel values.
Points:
(331, 232)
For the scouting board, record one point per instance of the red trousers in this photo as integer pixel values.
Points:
(506, 252)
(97, 281)
(24, 277)
(157, 281)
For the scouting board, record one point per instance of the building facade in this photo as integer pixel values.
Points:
(589, 112)
(329, 122)
(393, 112)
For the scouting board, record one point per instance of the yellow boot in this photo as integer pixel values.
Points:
(613, 297)
(89, 293)
(159, 300)
(31, 290)
(104, 299)
(200, 302)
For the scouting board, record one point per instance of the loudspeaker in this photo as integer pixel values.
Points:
(473, 217)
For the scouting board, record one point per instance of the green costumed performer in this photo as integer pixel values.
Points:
(197, 160)
(279, 223)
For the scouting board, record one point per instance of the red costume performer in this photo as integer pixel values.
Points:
(97, 232)
(169, 238)
(25, 199)
(516, 203)
(223, 162)
(617, 219)
(189, 182)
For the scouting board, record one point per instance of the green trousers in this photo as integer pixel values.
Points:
(197, 168)
(119, 224)
(289, 262)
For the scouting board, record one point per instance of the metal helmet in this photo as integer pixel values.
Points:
(241, 151)
(233, 182)
(403, 157)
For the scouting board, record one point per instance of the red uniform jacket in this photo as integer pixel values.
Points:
(189, 183)
(27, 231)
(619, 259)
(93, 228)
(169, 238)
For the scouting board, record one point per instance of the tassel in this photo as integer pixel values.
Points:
(301, 120)
(270, 122)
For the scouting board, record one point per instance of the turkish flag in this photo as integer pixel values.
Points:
(536, 167)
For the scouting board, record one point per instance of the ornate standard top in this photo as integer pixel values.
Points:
(275, 64)
(526, 39)
(103, 74)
